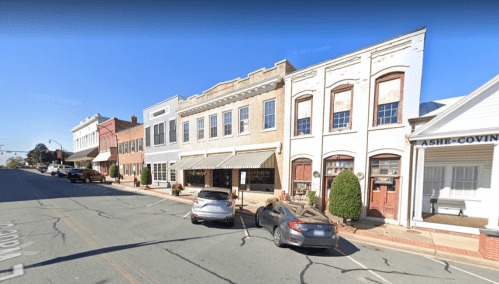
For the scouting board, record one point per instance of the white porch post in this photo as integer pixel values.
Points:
(418, 203)
(494, 197)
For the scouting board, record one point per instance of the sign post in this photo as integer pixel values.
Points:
(243, 183)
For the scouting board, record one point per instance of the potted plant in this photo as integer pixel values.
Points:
(176, 188)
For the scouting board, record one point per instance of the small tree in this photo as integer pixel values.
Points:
(113, 172)
(88, 165)
(145, 177)
(345, 198)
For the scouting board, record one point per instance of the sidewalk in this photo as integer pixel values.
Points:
(444, 245)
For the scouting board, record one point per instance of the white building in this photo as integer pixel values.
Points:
(86, 141)
(456, 163)
(351, 112)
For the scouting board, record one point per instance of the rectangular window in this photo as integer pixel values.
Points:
(108, 143)
(126, 147)
(388, 113)
(213, 126)
(148, 136)
(464, 181)
(140, 145)
(269, 114)
(186, 132)
(201, 129)
(126, 169)
(341, 106)
(244, 120)
(173, 174)
(119, 149)
(133, 169)
(159, 134)
(160, 172)
(155, 172)
(303, 116)
(385, 167)
(173, 131)
(227, 123)
(388, 99)
(132, 146)
(434, 180)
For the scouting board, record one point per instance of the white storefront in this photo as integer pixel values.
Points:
(350, 113)
(456, 163)
(86, 141)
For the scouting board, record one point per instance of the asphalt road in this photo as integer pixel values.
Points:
(52, 231)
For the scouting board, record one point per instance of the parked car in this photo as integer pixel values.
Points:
(85, 175)
(53, 168)
(214, 204)
(42, 168)
(297, 225)
(63, 172)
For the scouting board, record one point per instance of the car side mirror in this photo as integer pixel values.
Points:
(236, 197)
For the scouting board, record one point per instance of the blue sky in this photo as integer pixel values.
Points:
(61, 61)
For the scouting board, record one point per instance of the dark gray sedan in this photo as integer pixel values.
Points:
(297, 225)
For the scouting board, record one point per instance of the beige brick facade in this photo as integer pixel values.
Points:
(256, 136)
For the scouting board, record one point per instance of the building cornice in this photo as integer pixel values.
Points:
(89, 121)
(243, 93)
(483, 131)
(255, 147)
(180, 98)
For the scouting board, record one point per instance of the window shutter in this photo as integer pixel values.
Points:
(342, 101)
(148, 136)
(389, 92)
(305, 109)
(173, 131)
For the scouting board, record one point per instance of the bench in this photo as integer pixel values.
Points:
(451, 203)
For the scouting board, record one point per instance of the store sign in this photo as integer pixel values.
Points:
(383, 180)
(159, 112)
(466, 140)
(243, 177)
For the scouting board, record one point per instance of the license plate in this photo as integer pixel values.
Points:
(319, 233)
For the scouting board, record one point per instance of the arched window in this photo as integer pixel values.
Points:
(388, 99)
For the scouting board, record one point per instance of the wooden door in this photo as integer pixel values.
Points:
(383, 199)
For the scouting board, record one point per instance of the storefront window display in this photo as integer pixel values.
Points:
(195, 177)
(260, 180)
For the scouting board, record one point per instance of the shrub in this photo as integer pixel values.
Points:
(145, 177)
(345, 197)
(177, 187)
(270, 200)
(88, 166)
(312, 198)
(113, 171)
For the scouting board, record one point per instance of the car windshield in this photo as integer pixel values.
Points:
(305, 211)
(213, 195)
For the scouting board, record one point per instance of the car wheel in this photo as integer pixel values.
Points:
(194, 220)
(277, 237)
(72, 180)
(230, 222)
(257, 220)
(103, 180)
(87, 180)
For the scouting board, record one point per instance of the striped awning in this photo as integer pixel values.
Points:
(186, 163)
(211, 162)
(251, 160)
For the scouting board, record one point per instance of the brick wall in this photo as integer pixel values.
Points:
(489, 246)
(130, 134)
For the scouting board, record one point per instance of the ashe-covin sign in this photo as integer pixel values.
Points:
(460, 141)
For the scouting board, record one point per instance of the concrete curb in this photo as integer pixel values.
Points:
(468, 260)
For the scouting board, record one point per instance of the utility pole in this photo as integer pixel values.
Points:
(62, 153)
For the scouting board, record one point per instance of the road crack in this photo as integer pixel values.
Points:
(63, 235)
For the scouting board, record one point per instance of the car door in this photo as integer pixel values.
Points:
(274, 217)
(265, 216)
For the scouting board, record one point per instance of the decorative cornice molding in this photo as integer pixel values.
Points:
(339, 65)
(304, 76)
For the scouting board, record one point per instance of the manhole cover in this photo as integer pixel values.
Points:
(414, 232)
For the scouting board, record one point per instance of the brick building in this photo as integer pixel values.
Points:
(236, 126)
(131, 151)
(107, 142)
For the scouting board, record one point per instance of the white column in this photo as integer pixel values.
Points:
(494, 196)
(418, 202)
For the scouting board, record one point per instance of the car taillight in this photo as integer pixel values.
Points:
(229, 203)
(293, 225)
(196, 201)
(335, 229)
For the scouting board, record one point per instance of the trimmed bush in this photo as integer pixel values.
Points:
(145, 177)
(312, 198)
(345, 198)
(88, 166)
(113, 171)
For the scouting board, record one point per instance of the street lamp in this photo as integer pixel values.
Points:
(62, 154)
(117, 152)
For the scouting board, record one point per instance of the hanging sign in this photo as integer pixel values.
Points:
(383, 180)
(243, 177)
(465, 140)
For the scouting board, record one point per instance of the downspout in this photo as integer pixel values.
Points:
(321, 169)
(409, 194)
(366, 176)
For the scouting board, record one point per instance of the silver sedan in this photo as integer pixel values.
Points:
(214, 204)
(297, 225)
